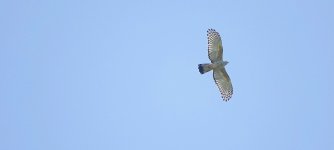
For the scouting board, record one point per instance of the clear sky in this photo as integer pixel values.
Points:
(122, 75)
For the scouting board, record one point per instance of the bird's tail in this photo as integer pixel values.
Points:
(204, 68)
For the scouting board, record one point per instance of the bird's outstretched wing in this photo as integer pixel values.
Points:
(223, 82)
(215, 47)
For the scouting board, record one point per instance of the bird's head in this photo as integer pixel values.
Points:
(225, 63)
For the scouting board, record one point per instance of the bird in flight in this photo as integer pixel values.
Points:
(215, 53)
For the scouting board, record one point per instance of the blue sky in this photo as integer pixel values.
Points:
(122, 75)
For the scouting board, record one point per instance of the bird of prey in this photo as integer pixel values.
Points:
(215, 50)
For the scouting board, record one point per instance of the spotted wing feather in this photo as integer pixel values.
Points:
(224, 83)
(215, 47)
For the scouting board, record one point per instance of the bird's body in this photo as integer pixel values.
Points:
(215, 50)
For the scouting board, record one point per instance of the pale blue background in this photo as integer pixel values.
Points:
(122, 75)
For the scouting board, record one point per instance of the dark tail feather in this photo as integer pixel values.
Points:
(204, 68)
(200, 68)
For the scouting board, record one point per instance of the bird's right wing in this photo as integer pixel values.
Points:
(215, 47)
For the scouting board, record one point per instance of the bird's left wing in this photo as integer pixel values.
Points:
(223, 82)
